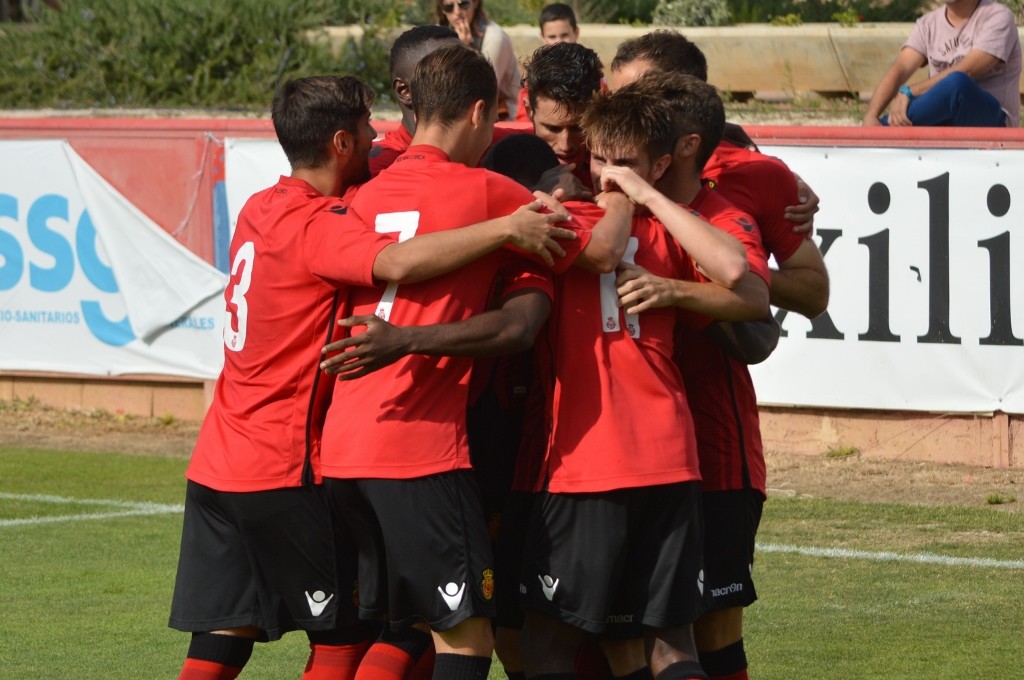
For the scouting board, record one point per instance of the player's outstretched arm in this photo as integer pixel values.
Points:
(800, 284)
(510, 328)
(720, 256)
(429, 255)
(610, 236)
(640, 290)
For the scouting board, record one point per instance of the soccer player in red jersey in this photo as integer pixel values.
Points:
(557, 24)
(615, 537)
(561, 79)
(700, 119)
(260, 555)
(395, 441)
(406, 52)
(719, 386)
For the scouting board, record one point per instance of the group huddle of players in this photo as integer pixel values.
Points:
(495, 398)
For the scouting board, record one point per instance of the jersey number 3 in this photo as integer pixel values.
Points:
(237, 313)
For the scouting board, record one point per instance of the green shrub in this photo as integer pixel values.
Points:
(812, 11)
(691, 13)
(172, 53)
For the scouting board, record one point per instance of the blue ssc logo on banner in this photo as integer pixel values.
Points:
(58, 276)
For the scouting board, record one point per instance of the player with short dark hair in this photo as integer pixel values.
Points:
(561, 80)
(660, 50)
(406, 52)
(557, 24)
(614, 540)
(719, 385)
(523, 158)
(259, 553)
(394, 440)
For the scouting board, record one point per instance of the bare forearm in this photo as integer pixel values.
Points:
(608, 239)
(748, 301)
(719, 255)
(511, 328)
(429, 255)
(802, 290)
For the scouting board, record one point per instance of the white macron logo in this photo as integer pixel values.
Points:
(700, 581)
(452, 594)
(318, 602)
(548, 585)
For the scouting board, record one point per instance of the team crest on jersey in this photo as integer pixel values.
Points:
(746, 224)
(610, 323)
(487, 584)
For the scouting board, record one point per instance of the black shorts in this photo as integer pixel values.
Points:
(731, 519)
(613, 562)
(424, 551)
(269, 559)
(508, 558)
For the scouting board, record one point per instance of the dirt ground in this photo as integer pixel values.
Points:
(854, 477)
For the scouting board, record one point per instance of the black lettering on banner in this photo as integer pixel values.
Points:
(1001, 331)
(938, 261)
(878, 288)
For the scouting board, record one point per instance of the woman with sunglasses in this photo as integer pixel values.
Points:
(469, 20)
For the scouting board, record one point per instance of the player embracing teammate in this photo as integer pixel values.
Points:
(613, 538)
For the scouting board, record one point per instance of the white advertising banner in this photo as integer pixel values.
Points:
(251, 165)
(925, 250)
(89, 284)
(926, 311)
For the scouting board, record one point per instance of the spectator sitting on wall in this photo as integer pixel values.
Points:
(469, 20)
(973, 53)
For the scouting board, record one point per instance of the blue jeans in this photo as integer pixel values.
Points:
(955, 100)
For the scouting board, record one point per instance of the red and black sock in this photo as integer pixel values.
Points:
(334, 662)
(213, 656)
(394, 655)
(727, 663)
(461, 667)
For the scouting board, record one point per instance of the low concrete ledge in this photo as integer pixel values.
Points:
(147, 396)
(752, 58)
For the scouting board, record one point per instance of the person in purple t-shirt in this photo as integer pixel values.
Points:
(973, 53)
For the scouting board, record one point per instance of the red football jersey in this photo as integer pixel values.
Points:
(291, 250)
(384, 152)
(720, 389)
(395, 142)
(620, 417)
(763, 187)
(408, 419)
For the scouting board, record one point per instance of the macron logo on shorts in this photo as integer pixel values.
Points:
(318, 602)
(548, 585)
(452, 594)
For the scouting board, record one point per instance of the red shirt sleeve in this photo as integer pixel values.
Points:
(340, 248)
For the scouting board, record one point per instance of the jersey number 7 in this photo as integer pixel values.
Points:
(405, 225)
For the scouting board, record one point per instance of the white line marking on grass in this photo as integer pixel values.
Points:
(885, 556)
(128, 509)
